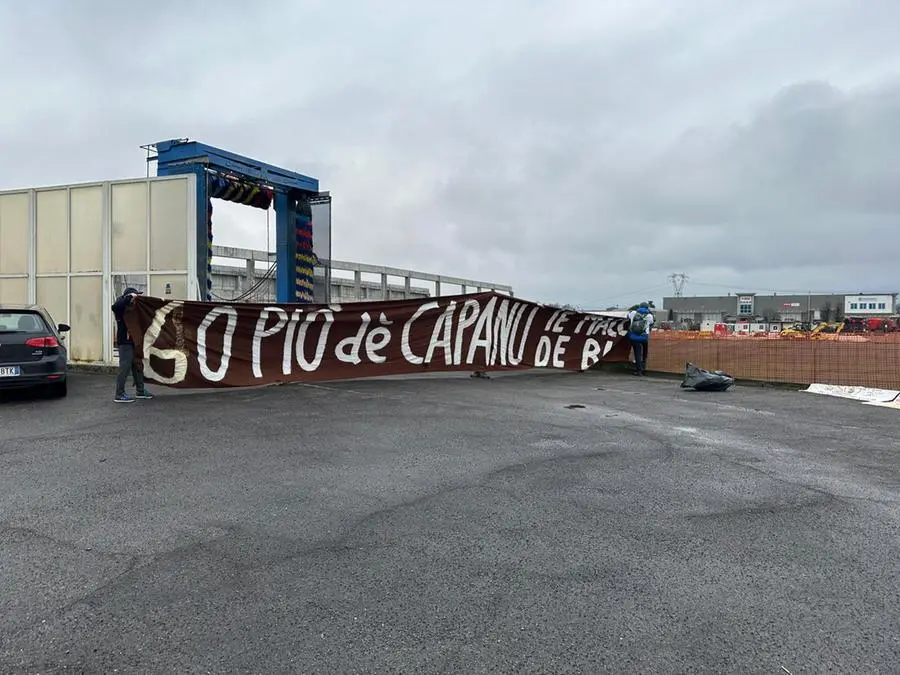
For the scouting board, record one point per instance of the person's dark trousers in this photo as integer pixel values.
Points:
(640, 350)
(128, 366)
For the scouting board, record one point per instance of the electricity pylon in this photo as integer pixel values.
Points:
(678, 281)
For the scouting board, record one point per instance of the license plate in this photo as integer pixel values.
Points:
(10, 371)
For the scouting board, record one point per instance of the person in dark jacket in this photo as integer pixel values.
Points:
(640, 322)
(127, 362)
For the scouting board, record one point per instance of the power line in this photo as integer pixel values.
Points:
(633, 293)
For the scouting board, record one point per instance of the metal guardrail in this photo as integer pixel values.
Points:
(359, 269)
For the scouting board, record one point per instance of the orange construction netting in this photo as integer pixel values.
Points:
(866, 360)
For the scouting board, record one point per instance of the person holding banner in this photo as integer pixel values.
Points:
(125, 344)
(640, 322)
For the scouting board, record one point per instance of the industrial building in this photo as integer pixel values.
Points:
(776, 309)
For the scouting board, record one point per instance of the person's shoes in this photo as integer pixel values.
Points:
(643, 373)
(635, 372)
(143, 395)
(123, 398)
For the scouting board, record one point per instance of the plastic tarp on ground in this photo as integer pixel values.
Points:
(864, 394)
(704, 380)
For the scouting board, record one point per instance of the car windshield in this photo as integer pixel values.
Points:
(21, 321)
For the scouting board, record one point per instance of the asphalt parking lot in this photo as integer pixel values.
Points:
(524, 524)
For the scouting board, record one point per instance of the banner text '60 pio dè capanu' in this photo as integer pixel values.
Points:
(201, 345)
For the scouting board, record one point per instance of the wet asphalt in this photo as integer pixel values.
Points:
(536, 523)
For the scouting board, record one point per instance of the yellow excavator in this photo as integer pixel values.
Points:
(823, 330)
(795, 330)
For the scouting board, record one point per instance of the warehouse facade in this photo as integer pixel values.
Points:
(778, 308)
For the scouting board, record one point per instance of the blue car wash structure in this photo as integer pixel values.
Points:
(225, 175)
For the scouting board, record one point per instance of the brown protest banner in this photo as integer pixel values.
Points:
(201, 345)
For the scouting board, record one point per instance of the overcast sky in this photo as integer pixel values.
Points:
(579, 150)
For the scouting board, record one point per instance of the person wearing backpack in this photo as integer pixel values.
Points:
(640, 322)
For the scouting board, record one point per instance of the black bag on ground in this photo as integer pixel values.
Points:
(704, 380)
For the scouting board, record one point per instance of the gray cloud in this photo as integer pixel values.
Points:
(580, 154)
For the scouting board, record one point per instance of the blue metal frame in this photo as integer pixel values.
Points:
(177, 157)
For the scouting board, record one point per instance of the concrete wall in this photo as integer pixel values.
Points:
(73, 248)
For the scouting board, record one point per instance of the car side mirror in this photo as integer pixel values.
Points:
(64, 328)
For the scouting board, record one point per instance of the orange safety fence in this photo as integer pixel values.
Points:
(865, 360)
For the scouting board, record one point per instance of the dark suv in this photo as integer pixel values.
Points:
(32, 353)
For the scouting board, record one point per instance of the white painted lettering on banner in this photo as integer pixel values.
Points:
(483, 333)
(309, 365)
(559, 351)
(474, 332)
(468, 315)
(442, 335)
(177, 357)
(523, 339)
(262, 332)
(231, 316)
(347, 350)
(405, 348)
(377, 339)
